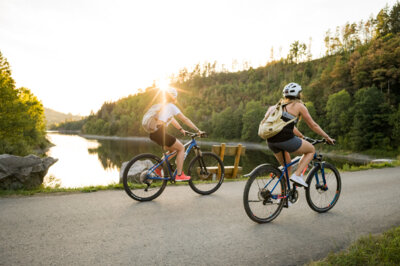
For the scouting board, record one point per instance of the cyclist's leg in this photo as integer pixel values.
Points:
(180, 149)
(279, 157)
(308, 150)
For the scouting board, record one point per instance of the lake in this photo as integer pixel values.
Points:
(95, 160)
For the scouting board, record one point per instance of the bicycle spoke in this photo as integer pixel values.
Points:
(207, 173)
(142, 178)
(259, 197)
(323, 193)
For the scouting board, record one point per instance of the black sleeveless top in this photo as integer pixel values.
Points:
(287, 132)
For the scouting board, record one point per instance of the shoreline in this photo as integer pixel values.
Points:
(355, 157)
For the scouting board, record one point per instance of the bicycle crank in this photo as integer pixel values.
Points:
(293, 196)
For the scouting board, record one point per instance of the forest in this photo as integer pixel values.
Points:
(22, 121)
(353, 92)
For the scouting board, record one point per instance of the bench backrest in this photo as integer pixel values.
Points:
(224, 150)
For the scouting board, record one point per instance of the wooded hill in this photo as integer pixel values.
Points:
(353, 92)
(55, 117)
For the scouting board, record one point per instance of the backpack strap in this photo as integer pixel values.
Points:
(293, 101)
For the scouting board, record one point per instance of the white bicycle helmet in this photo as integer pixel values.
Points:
(292, 89)
(172, 92)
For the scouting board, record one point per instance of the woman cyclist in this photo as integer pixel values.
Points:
(290, 138)
(162, 138)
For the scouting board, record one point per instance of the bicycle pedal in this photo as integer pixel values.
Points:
(287, 204)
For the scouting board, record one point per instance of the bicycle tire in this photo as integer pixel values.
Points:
(254, 192)
(322, 198)
(206, 179)
(134, 186)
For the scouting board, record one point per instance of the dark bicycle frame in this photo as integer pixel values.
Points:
(191, 144)
(317, 160)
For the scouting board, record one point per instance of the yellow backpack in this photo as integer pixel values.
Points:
(273, 124)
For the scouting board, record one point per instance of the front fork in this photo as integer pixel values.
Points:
(203, 169)
(321, 185)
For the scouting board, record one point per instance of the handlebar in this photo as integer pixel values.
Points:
(316, 141)
(194, 135)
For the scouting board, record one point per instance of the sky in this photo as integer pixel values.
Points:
(74, 55)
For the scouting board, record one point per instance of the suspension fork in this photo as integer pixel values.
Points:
(320, 184)
(203, 169)
(285, 171)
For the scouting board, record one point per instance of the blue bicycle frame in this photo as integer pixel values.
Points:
(189, 145)
(285, 172)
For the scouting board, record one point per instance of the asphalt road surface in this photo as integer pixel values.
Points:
(183, 228)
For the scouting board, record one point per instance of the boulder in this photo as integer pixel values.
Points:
(135, 170)
(23, 172)
(377, 161)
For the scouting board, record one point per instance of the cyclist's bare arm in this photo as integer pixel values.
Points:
(313, 125)
(298, 133)
(177, 125)
(187, 121)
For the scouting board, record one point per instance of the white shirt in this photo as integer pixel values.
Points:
(168, 112)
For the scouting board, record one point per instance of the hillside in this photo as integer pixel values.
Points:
(54, 117)
(353, 92)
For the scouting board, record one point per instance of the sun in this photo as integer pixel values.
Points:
(163, 85)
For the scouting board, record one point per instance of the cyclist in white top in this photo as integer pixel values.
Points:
(170, 143)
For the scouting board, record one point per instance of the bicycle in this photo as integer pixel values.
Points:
(267, 191)
(146, 175)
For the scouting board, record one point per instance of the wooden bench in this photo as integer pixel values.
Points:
(223, 150)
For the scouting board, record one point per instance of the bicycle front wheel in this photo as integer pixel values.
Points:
(207, 173)
(262, 202)
(142, 181)
(324, 187)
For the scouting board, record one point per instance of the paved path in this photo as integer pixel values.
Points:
(183, 228)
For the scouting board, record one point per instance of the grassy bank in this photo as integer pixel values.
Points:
(48, 190)
(381, 249)
(353, 168)
(54, 190)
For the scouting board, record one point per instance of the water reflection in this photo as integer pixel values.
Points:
(86, 162)
(76, 167)
(112, 153)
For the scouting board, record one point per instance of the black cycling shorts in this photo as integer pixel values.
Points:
(162, 138)
(290, 145)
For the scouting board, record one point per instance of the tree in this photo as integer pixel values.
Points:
(22, 123)
(337, 113)
(394, 122)
(394, 18)
(371, 117)
(228, 123)
(297, 52)
(252, 116)
(382, 26)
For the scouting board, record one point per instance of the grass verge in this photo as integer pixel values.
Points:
(48, 190)
(381, 249)
(351, 168)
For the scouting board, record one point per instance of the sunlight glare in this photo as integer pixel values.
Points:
(163, 84)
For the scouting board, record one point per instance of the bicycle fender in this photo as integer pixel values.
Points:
(258, 168)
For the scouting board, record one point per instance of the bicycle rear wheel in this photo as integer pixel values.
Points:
(138, 178)
(261, 203)
(323, 190)
(206, 173)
